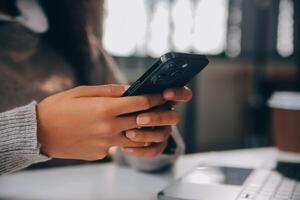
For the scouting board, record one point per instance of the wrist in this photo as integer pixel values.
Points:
(40, 130)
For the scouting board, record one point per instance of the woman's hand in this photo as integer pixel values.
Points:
(84, 122)
(157, 125)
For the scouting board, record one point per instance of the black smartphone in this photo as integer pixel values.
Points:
(170, 71)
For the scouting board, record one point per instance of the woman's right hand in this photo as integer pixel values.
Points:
(84, 122)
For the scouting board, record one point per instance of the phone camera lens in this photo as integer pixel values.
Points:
(154, 80)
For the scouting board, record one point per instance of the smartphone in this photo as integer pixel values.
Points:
(170, 71)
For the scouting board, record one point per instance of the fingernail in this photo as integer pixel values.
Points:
(169, 94)
(130, 134)
(147, 144)
(143, 120)
(128, 150)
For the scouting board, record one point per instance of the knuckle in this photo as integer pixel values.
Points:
(80, 88)
(113, 85)
(110, 88)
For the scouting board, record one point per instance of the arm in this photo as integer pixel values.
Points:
(72, 124)
(18, 139)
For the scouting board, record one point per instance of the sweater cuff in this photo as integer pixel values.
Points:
(18, 138)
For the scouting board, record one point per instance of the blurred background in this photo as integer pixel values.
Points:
(253, 47)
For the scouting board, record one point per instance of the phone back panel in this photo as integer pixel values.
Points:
(170, 71)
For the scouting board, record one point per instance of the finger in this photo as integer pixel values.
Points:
(112, 90)
(164, 118)
(151, 151)
(156, 135)
(123, 141)
(132, 104)
(182, 94)
(123, 123)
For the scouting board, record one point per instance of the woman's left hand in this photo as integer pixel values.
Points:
(156, 125)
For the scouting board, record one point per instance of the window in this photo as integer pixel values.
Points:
(143, 27)
(285, 38)
(153, 27)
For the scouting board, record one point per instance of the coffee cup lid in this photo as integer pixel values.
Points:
(285, 100)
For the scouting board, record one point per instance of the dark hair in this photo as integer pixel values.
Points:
(16, 38)
(70, 25)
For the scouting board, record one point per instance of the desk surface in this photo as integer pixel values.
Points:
(112, 182)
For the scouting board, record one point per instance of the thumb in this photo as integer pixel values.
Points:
(111, 90)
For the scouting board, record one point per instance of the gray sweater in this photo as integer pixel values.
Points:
(18, 139)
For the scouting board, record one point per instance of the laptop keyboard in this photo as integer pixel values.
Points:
(280, 184)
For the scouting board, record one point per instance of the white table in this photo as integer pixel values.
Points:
(112, 182)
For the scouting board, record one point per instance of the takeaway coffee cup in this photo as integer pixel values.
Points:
(286, 120)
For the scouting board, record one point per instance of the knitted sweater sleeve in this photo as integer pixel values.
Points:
(19, 147)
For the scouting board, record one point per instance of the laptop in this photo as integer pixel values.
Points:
(209, 182)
